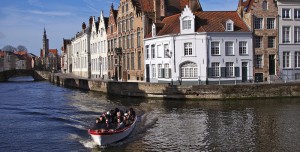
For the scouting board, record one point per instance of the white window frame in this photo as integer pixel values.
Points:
(297, 14)
(286, 34)
(286, 13)
(167, 51)
(153, 51)
(189, 70)
(215, 48)
(243, 48)
(147, 52)
(297, 59)
(258, 23)
(270, 23)
(229, 69)
(258, 61)
(215, 69)
(229, 49)
(167, 67)
(258, 41)
(297, 34)
(186, 24)
(153, 71)
(271, 40)
(188, 49)
(159, 68)
(286, 59)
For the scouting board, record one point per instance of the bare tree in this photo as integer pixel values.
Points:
(22, 48)
(9, 48)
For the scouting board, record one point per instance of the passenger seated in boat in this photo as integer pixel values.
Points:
(97, 124)
(131, 115)
(125, 120)
(120, 125)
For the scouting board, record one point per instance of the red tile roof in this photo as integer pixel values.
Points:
(211, 21)
(53, 51)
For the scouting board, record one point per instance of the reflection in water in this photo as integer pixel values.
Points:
(52, 118)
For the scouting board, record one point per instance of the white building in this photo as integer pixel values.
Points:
(289, 39)
(99, 48)
(198, 47)
(81, 52)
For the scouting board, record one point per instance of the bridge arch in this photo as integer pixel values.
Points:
(36, 75)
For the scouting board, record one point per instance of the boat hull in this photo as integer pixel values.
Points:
(108, 137)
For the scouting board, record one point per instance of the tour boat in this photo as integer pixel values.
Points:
(102, 138)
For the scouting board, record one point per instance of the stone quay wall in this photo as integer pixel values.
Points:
(167, 91)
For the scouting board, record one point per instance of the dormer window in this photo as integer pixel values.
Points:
(229, 25)
(186, 23)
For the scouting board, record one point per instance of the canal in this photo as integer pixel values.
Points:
(39, 116)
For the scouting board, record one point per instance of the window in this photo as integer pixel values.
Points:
(258, 42)
(189, 70)
(297, 34)
(126, 7)
(271, 42)
(286, 34)
(153, 51)
(187, 24)
(139, 61)
(131, 23)
(229, 72)
(166, 50)
(128, 42)
(297, 14)
(258, 23)
(243, 48)
(229, 26)
(111, 29)
(286, 59)
(258, 61)
(153, 71)
(138, 38)
(229, 48)
(215, 48)
(286, 13)
(215, 69)
(265, 5)
(132, 60)
(167, 73)
(147, 51)
(128, 61)
(132, 41)
(159, 70)
(297, 59)
(188, 50)
(124, 26)
(270, 23)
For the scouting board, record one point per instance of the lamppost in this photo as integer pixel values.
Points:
(118, 68)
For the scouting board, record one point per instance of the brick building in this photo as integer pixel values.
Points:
(261, 17)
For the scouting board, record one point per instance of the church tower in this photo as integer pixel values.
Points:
(45, 50)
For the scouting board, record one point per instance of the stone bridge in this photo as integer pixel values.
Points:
(36, 75)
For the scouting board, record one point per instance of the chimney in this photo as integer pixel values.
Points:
(91, 21)
(83, 26)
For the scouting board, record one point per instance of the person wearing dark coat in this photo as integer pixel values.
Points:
(97, 124)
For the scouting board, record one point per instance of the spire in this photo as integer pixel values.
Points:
(112, 6)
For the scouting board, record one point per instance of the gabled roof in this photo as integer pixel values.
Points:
(246, 4)
(106, 19)
(210, 21)
(53, 51)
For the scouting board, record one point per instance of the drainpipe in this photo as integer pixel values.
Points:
(174, 54)
(207, 57)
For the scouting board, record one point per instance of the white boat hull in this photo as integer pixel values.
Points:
(108, 137)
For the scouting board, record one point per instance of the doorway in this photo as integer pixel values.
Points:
(147, 73)
(272, 65)
(244, 71)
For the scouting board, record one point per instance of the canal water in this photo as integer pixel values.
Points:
(39, 116)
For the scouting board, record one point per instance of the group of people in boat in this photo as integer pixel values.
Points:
(114, 120)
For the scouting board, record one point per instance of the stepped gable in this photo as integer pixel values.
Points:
(246, 4)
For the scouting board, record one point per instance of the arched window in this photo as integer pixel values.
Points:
(186, 23)
(189, 70)
(265, 5)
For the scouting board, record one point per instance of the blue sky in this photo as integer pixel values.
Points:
(22, 22)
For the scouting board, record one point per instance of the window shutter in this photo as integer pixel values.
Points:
(210, 72)
(163, 73)
(223, 72)
(237, 71)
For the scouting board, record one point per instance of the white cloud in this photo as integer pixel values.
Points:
(50, 13)
(37, 3)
